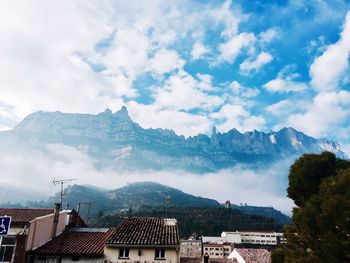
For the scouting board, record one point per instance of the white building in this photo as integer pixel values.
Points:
(247, 237)
(262, 237)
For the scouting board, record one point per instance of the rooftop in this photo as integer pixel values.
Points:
(145, 231)
(25, 215)
(84, 241)
(254, 255)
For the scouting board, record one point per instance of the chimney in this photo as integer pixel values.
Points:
(55, 219)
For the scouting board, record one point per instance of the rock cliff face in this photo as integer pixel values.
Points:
(114, 140)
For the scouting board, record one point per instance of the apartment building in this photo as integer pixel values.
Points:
(262, 237)
(217, 249)
(191, 248)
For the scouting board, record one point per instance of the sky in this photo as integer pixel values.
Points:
(181, 65)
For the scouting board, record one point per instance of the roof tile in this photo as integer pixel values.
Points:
(25, 215)
(81, 242)
(145, 231)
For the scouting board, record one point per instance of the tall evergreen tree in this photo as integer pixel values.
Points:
(320, 232)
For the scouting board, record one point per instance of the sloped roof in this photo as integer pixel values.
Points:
(25, 215)
(84, 241)
(254, 255)
(145, 231)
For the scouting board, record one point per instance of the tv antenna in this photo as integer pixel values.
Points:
(62, 182)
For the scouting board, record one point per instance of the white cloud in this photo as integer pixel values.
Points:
(183, 92)
(231, 49)
(183, 123)
(329, 68)
(280, 108)
(224, 15)
(327, 111)
(236, 116)
(254, 65)
(238, 184)
(285, 84)
(165, 61)
(268, 35)
(198, 50)
(244, 92)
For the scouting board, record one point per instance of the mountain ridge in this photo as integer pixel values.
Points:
(116, 141)
(138, 196)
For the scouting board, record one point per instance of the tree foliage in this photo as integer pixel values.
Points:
(320, 232)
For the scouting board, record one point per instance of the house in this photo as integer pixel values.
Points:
(250, 255)
(31, 228)
(74, 244)
(13, 246)
(144, 239)
(191, 248)
(217, 249)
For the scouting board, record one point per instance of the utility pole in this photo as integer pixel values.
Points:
(62, 182)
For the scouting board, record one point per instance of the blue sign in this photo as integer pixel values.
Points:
(5, 222)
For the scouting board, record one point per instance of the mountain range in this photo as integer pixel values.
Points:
(114, 140)
(142, 197)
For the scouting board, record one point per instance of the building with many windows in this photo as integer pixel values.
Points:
(191, 248)
(262, 237)
(217, 249)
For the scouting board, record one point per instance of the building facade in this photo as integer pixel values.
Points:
(191, 248)
(32, 227)
(218, 249)
(144, 240)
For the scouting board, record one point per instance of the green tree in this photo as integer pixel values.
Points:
(320, 231)
(306, 174)
(277, 255)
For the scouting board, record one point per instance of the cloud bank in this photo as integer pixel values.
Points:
(36, 171)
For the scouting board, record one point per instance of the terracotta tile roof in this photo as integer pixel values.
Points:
(76, 242)
(24, 215)
(146, 231)
(254, 255)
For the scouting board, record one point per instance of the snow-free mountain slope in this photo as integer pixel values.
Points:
(114, 140)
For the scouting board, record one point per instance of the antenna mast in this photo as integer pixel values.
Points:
(62, 182)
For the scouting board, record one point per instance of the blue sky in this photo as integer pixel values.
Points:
(182, 65)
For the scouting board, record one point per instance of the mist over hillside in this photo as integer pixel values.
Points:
(110, 149)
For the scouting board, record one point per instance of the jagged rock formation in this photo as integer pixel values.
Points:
(114, 140)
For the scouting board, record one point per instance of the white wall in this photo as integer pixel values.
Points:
(147, 255)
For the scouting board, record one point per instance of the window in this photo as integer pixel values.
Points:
(75, 258)
(124, 253)
(160, 254)
(7, 245)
